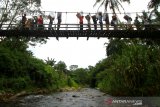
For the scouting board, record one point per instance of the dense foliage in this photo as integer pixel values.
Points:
(12, 10)
(19, 70)
(113, 5)
(132, 65)
(131, 68)
(80, 76)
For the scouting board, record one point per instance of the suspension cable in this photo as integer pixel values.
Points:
(66, 22)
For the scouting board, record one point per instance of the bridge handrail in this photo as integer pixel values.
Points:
(119, 26)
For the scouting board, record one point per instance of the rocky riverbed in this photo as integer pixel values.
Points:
(85, 97)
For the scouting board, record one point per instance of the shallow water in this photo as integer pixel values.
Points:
(87, 97)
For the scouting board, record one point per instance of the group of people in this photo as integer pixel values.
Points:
(114, 21)
(32, 23)
(37, 23)
(95, 18)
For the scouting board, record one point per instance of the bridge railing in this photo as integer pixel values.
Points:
(69, 20)
(77, 27)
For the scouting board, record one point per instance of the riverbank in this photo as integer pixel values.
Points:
(12, 96)
(84, 97)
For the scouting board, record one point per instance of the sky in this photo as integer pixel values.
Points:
(72, 51)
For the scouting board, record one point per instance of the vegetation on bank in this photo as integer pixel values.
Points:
(132, 68)
(20, 70)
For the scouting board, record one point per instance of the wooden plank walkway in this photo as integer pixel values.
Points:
(154, 34)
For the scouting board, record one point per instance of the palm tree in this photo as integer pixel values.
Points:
(50, 62)
(154, 4)
(112, 4)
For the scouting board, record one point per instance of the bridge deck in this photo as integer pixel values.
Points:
(154, 34)
(84, 33)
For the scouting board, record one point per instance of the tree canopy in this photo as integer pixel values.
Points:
(111, 4)
(12, 10)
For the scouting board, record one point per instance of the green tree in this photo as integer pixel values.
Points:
(114, 4)
(114, 46)
(154, 4)
(20, 70)
(73, 67)
(61, 66)
(50, 62)
(80, 76)
(134, 71)
(11, 10)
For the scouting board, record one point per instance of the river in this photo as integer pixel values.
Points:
(86, 97)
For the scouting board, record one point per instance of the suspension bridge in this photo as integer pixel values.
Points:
(71, 28)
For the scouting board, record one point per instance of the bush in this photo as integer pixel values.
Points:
(133, 72)
(14, 83)
(19, 69)
(72, 83)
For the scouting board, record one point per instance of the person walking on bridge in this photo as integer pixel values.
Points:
(80, 16)
(24, 19)
(50, 22)
(137, 23)
(106, 19)
(28, 24)
(88, 21)
(128, 24)
(100, 20)
(94, 18)
(40, 22)
(34, 22)
(114, 22)
(59, 18)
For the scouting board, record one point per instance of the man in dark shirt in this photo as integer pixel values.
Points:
(59, 18)
(137, 23)
(23, 21)
(94, 21)
(50, 22)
